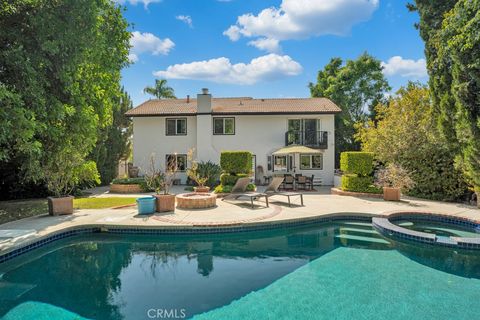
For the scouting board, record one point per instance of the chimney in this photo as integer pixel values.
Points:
(188, 98)
(204, 102)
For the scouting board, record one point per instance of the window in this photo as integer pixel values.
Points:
(176, 127)
(176, 160)
(311, 161)
(280, 163)
(224, 126)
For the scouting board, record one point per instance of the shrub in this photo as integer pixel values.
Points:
(352, 182)
(355, 162)
(210, 170)
(394, 176)
(235, 162)
(228, 179)
(228, 188)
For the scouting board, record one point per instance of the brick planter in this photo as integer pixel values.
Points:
(340, 192)
(126, 188)
(196, 200)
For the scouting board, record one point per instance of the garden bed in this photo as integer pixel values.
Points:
(340, 192)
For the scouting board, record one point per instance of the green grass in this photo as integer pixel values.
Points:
(19, 209)
(102, 203)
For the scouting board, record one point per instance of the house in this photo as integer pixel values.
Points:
(268, 128)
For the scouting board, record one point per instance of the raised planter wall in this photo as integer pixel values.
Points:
(126, 188)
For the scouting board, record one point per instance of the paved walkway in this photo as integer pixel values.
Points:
(321, 203)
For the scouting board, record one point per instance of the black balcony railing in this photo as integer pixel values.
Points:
(314, 139)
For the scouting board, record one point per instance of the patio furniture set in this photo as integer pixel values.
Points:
(293, 182)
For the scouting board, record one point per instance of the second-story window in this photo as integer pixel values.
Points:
(176, 127)
(224, 126)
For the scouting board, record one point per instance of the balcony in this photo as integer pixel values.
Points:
(312, 139)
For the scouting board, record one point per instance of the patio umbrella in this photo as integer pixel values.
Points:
(295, 149)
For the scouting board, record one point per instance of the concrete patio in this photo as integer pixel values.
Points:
(227, 213)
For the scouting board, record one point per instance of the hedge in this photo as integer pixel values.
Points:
(355, 162)
(228, 179)
(352, 182)
(235, 162)
(228, 188)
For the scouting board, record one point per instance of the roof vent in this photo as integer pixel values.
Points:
(204, 90)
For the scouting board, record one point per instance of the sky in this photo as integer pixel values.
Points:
(264, 48)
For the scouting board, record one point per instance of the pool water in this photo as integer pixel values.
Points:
(332, 271)
(440, 229)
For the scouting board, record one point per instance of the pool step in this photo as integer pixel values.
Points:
(358, 230)
(362, 239)
(357, 223)
(13, 291)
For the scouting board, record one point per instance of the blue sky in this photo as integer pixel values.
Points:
(264, 48)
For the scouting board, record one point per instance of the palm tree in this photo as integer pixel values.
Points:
(161, 90)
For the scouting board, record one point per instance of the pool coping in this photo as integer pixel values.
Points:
(39, 241)
(385, 227)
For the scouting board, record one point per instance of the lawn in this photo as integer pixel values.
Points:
(19, 209)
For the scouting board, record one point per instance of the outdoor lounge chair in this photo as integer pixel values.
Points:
(272, 190)
(239, 190)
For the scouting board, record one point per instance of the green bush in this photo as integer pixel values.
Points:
(228, 188)
(355, 162)
(228, 179)
(235, 162)
(210, 170)
(352, 182)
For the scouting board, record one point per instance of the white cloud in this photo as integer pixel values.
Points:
(265, 68)
(269, 45)
(300, 19)
(405, 67)
(186, 19)
(147, 42)
(135, 2)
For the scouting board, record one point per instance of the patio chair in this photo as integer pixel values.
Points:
(288, 183)
(272, 190)
(302, 181)
(309, 183)
(239, 190)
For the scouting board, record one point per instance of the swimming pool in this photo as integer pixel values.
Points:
(342, 270)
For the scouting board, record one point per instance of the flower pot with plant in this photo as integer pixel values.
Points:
(393, 179)
(202, 173)
(63, 173)
(161, 183)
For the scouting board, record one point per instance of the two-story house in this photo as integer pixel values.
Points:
(168, 129)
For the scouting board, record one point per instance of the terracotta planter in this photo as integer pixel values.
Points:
(60, 205)
(165, 202)
(391, 194)
(201, 189)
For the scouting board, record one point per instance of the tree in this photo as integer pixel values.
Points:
(114, 143)
(60, 65)
(404, 133)
(161, 90)
(454, 66)
(356, 87)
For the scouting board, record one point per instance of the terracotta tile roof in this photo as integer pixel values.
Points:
(238, 105)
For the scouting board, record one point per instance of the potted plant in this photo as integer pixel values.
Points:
(161, 183)
(202, 173)
(62, 174)
(393, 179)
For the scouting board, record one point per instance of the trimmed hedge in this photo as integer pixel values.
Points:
(228, 188)
(235, 162)
(228, 179)
(352, 182)
(355, 162)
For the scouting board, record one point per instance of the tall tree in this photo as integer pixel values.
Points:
(356, 87)
(114, 143)
(405, 133)
(161, 90)
(60, 65)
(454, 66)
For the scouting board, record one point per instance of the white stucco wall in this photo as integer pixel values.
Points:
(259, 134)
